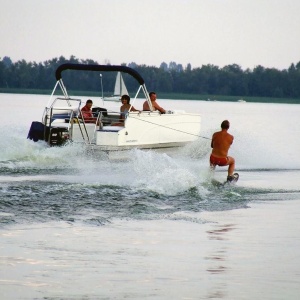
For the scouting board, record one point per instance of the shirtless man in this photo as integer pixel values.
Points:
(155, 106)
(220, 143)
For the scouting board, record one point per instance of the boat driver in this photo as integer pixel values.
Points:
(87, 114)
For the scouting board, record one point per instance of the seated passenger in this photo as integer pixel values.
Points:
(155, 105)
(87, 114)
(124, 109)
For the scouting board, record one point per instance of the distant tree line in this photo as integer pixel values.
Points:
(209, 79)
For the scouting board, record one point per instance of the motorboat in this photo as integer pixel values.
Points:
(62, 122)
(119, 90)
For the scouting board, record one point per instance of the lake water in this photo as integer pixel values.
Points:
(74, 225)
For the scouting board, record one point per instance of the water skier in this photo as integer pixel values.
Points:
(221, 142)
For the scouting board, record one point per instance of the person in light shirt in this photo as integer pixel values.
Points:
(126, 107)
(124, 110)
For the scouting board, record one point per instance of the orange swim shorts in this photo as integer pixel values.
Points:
(218, 161)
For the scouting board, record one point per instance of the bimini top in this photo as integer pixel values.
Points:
(102, 68)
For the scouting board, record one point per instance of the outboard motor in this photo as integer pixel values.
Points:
(38, 131)
(58, 136)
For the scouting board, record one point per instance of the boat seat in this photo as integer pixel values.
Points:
(60, 123)
(111, 128)
(62, 113)
(58, 117)
(97, 110)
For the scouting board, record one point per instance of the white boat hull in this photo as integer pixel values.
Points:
(145, 130)
(62, 121)
(151, 129)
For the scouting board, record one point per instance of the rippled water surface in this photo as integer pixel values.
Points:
(76, 225)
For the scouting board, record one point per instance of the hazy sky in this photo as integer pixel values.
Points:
(218, 32)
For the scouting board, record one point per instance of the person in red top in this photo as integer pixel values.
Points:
(86, 112)
(155, 105)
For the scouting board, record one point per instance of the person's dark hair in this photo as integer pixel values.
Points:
(126, 97)
(89, 101)
(152, 93)
(225, 124)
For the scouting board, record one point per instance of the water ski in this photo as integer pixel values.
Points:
(232, 180)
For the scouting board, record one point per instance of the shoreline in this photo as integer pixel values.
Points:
(169, 96)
